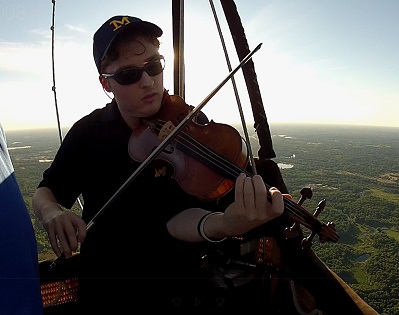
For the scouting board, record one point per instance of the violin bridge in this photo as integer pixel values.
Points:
(166, 129)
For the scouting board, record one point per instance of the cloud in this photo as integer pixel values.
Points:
(42, 33)
(337, 68)
(24, 59)
(76, 28)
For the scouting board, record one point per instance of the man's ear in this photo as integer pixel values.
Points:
(105, 84)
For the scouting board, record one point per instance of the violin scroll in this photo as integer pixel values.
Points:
(326, 232)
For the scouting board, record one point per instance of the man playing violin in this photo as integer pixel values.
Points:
(144, 250)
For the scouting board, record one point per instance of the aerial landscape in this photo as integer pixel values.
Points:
(354, 168)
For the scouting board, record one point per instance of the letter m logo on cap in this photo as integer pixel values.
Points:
(119, 23)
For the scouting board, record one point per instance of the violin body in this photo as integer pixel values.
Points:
(196, 153)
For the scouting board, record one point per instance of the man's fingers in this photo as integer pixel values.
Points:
(277, 201)
(54, 243)
(81, 229)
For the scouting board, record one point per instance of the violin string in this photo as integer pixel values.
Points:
(192, 144)
(219, 162)
(295, 211)
(302, 217)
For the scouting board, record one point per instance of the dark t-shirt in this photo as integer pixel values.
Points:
(128, 260)
(128, 243)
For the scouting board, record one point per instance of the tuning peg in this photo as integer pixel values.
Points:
(306, 193)
(307, 242)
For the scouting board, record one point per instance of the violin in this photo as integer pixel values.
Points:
(207, 158)
(204, 165)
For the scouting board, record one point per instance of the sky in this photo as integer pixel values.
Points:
(329, 62)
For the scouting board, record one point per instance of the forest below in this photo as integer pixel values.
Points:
(355, 169)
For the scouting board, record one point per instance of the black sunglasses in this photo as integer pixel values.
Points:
(133, 75)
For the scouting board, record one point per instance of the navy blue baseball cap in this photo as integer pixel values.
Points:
(112, 28)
